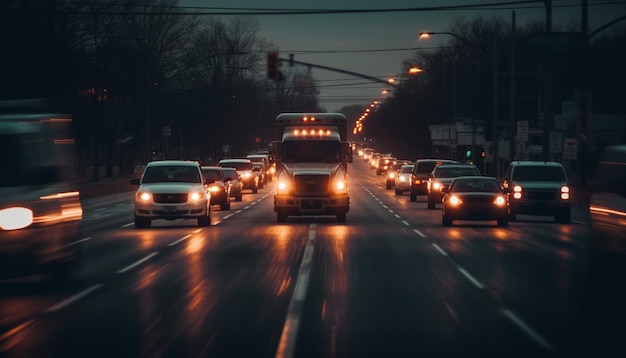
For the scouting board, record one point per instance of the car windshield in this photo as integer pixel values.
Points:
(171, 174)
(406, 169)
(453, 172)
(240, 166)
(425, 167)
(214, 174)
(468, 185)
(318, 151)
(539, 173)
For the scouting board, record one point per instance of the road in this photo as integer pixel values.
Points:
(391, 281)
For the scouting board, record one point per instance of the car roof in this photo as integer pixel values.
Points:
(455, 165)
(235, 160)
(210, 167)
(533, 163)
(164, 163)
(435, 160)
(475, 177)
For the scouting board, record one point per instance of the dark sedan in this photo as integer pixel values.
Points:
(475, 198)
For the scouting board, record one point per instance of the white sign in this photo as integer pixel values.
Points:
(522, 131)
(570, 147)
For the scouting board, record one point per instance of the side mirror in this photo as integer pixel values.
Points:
(134, 181)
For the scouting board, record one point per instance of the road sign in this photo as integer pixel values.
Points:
(570, 148)
(522, 131)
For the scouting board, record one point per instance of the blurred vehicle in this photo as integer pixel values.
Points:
(403, 179)
(40, 208)
(390, 178)
(442, 175)
(608, 201)
(367, 154)
(538, 188)
(384, 164)
(259, 169)
(374, 160)
(246, 174)
(236, 186)
(474, 198)
(220, 188)
(268, 167)
(419, 175)
(170, 190)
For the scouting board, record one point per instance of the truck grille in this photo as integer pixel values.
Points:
(309, 184)
(170, 198)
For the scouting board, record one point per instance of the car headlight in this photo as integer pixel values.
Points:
(144, 196)
(401, 178)
(15, 218)
(391, 175)
(282, 186)
(196, 196)
(499, 201)
(565, 192)
(340, 186)
(215, 188)
(517, 192)
(437, 185)
(455, 200)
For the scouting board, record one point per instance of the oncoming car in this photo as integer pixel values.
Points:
(475, 198)
(170, 190)
(538, 188)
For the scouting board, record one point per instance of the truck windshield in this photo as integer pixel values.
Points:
(311, 151)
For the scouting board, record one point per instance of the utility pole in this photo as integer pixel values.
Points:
(512, 121)
(547, 88)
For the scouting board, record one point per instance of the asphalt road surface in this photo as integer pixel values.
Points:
(390, 282)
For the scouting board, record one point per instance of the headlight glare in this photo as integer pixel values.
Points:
(15, 218)
(499, 201)
(455, 200)
(144, 196)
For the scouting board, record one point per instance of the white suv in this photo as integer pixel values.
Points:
(170, 190)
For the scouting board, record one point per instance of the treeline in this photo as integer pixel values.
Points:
(143, 80)
(470, 76)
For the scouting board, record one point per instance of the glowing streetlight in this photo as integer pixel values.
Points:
(415, 70)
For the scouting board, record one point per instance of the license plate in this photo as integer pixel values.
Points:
(169, 209)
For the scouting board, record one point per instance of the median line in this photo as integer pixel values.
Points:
(470, 277)
(131, 266)
(180, 240)
(529, 331)
(59, 306)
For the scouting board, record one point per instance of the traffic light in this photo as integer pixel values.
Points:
(273, 64)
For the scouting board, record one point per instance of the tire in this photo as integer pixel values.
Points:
(239, 197)
(512, 217)
(281, 216)
(255, 190)
(398, 192)
(225, 206)
(261, 185)
(341, 218)
(204, 221)
(503, 222)
(413, 196)
(141, 222)
(445, 220)
(388, 186)
(431, 203)
(564, 216)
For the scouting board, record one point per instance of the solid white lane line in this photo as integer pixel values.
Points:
(471, 278)
(287, 343)
(419, 233)
(529, 331)
(59, 306)
(180, 240)
(440, 250)
(131, 266)
(406, 223)
(129, 224)
(81, 240)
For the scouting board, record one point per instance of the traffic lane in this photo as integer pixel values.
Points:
(102, 255)
(537, 268)
(222, 286)
(379, 289)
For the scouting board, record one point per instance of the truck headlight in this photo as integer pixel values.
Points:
(15, 218)
(144, 196)
(196, 196)
(282, 186)
(565, 192)
(340, 186)
(517, 192)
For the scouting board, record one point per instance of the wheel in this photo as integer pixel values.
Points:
(239, 197)
(141, 222)
(388, 186)
(204, 220)
(281, 216)
(413, 196)
(445, 220)
(512, 217)
(225, 206)
(398, 192)
(431, 203)
(341, 218)
(564, 216)
(255, 190)
(377, 172)
(503, 222)
(261, 184)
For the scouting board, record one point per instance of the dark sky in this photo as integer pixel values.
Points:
(367, 42)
